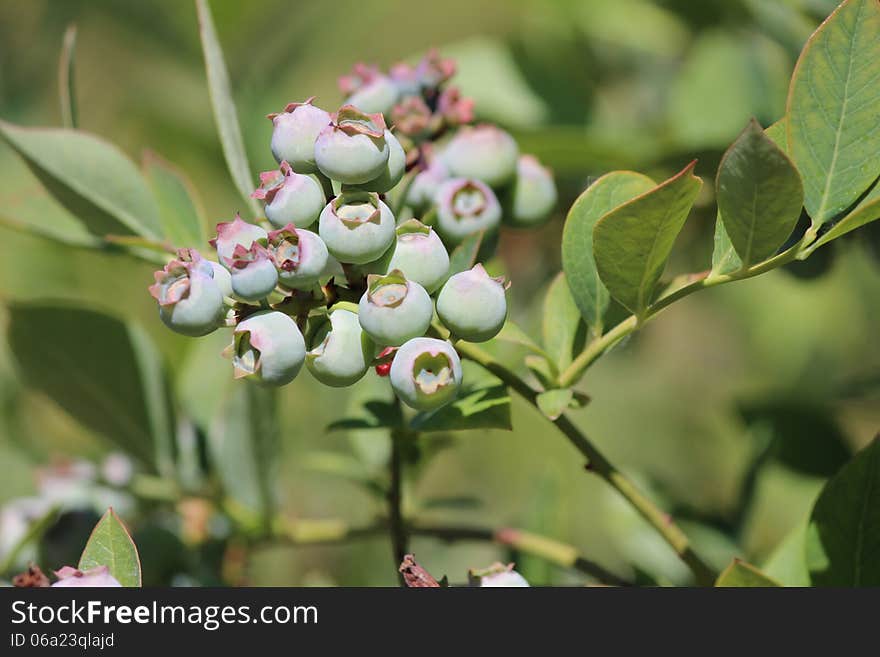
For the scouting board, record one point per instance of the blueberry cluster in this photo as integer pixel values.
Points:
(362, 289)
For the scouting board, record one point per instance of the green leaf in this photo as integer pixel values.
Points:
(607, 193)
(865, 212)
(225, 114)
(778, 133)
(482, 406)
(373, 414)
(843, 538)
(244, 443)
(724, 257)
(759, 195)
(110, 545)
(542, 369)
(632, 243)
(833, 105)
(554, 403)
(512, 333)
(180, 211)
(88, 363)
(561, 324)
(742, 574)
(788, 562)
(89, 177)
(66, 78)
(464, 256)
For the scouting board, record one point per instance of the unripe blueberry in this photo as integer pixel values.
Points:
(190, 301)
(253, 273)
(454, 108)
(484, 152)
(425, 185)
(465, 207)
(352, 150)
(413, 118)
(340, 350)
(473, 305)
(394, 310)
(392, 172)
(237, 232)
(267, 347)
(222, 278)
(499, 575)
(378, 94)
(291, 198)
(426, 373)
(98, 577)
(356, 227)
(534, 193)
(419, 254)
(294, 134)
(300, 257)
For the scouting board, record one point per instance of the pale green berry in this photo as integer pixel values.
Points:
(300, 257)
(465, 207)
(190, 301)
(473, 305)
(534, 193)
(253, 273)
(424, 186)
(394, 310)
(426, 373)
(294, 133)
(290, 197)
(499, 575)
(419, 254)
(356, 227)
(353, 150)
(267, 347)
(378, 94)
(393, 171)
(340, 352)
(484, 152)
(237, 232)
(222, 277)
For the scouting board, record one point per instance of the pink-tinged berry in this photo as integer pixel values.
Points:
(464, 207)
(369, 89)
(498, 575)
(420, 254)
(190, 301)
(253, 272)
(352, 149)
(484, 152)
(294, 133)
(290, 197)
(300, 257)
(98, 577)
(237, 232)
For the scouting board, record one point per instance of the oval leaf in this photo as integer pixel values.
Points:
(760, 195)
(223, 104)
(89, 177)
(865, 212)
(110, 545)
(843, 538)
(632, 243)
(561, 323)
(608, 192)
(742, 574)
(553, 403)
(88, 363)
(833, 109)
(180, 210)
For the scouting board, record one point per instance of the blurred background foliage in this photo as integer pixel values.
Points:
(730, 409)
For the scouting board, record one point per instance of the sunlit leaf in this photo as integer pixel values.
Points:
(110, 545)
